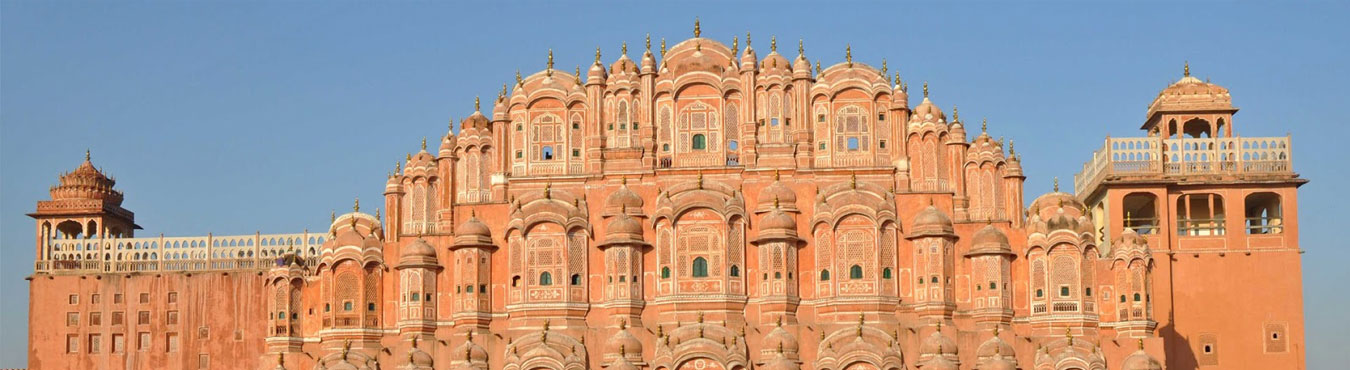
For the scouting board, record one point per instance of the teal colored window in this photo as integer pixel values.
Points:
(665, 272)
(886, 273)
(824, 275)
(700, 142)
(855, 272)
(346, 306)
(735, 270)
(576, 279)
(1063, 291)
(1136, 297)
(545, 279)
(700, 267)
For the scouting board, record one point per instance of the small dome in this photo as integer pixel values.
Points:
(87, 182)
(938, 344)
(926, 111)
(624, 198)
(624, 344)
(775, 62)
(473, 227)
(1140, 360)
(624, 227)
(469, 351)
(623, 66)
(418, 248)
(777, 192)
(1061, 222)
(990, 240)
(995, 346)
(778, 220)
(931, 221)
(780, 337)
(801, 65)
(1190, 93)
(419, 358)
(475, 120)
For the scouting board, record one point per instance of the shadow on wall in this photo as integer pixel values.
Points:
(1180, 355)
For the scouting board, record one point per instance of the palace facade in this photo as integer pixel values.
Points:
(703, 207)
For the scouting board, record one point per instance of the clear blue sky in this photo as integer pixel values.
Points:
(236, 117)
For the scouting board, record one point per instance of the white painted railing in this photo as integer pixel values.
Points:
(192, 253)
(1187, 156)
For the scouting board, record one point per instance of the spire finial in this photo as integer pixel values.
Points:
(519, 81)
(817, 67)
(648, 42)
(346, 347)
(281, 359)
(597, 55)
(86, 155)
(884, 69)
(773, 43)
(939, 326)
(414, 341)
(956, 114)
(848, 54)
(698, 30)
(332, 217)
(700, 317)
(995, 331)
(700, 185)
(1011, 150)
(623, 49)
(897, 79)
(984, 125)
(1056, 184)
(356, 206)
(1140, 343)
(801, 48)
(775, 202)
(1186, 70)
(476, 105)
(853, 181)
(1068, 334)
(503, 93)
(577, 73)
(548, 191)
(550, 58)
(925, 89)
(424, 143)
(775, 174)
(663, 47)
(735, 45)
(779, 322)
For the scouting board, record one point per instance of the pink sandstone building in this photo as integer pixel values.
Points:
(704, 207)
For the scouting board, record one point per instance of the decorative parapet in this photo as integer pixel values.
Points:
(1162, 157)
(188, 253)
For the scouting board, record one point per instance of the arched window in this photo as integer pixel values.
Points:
(886, 273)
(545, 279)
(700, 267)
(735, 270)
(699, 142)
(1136, 297)
(824, 275)
(576, 279)
(665, 272)
(515, 281)
(547, 153)
(855, 272)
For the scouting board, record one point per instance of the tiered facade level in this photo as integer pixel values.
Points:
(707, 210)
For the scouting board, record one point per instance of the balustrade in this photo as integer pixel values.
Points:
(1186, 156)
(198, 253)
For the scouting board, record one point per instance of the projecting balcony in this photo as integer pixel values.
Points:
(192, 253)
(1157, 157)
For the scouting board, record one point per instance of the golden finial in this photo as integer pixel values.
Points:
(775, 174)
(897, 80)
(996, 330)
(848, 54)
(377, 214)
(747, 39)
(700, 186)
(398, 167)
(86, 155)
(1186, 71)
(519, 81)
(346, 347)
(700, 317)
(424, 143)
(853, 180)
(775, 201)
(577, 73)
(469, 336)
(956, 115)
(925, 89)
(623, 324)
(735, 45)
(356, 206)
(773, 43)
(503, 94)
(648, 42)
(984, 125)
(408, 156)
(476, 105)
(697, 29)
(884, 69)
(550, 58)
(663, 47)
(548, 191)
(597, 55)
(623, 49)
(414, 341)
(1056, 184)
(1068, 334)
(281, 359)
(801, 48)
(1011, 149)
(780, 347)
(817, 67)
(660, 332)
(779, 322)
(1140, 343)
(332, 217)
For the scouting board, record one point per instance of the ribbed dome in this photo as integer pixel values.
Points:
(1140, 360)
(624, 343)
(777, 192)
(473, 227)
(938, 344)
(1190, 93)
(926, 111)
(778, 220)
(775, 62)
(419, 358)
(780, 337)
(471, 351)
(624, 198)
(417, 251)
(475, 120)
(990, 239)
(623, 66)
(994, 346)
(623, 228)
(86, 182)
(931, 221)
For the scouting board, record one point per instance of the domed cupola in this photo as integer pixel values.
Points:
(476, 120)
(932, 222)
(596, 74)
(899, 93)
(623, 229)
(623, 66)
(1140, 360)
(780, 340)
(355, 229)
(417, 253)
(777, 195)
(648, 60)
(926, 111)
(623, 199)
(473, 233)
(995, 346)
(801, 68)
(775, 63)
(748, 58)
(623, 343)
(469, 355)
(1191, 94)
(989, 240)
(938, 352)
(87, 182)
(417, 359)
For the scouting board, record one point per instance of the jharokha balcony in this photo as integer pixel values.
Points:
(1160, 158)
(192, 253)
